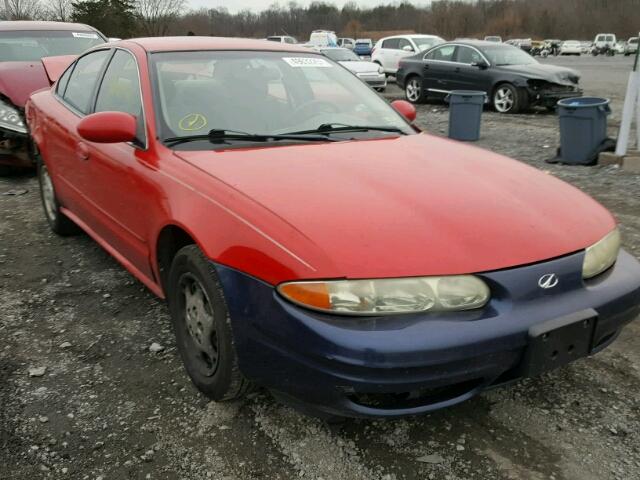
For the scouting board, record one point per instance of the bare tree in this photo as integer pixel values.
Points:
(59, 10)
(156, 16)
(23, 9)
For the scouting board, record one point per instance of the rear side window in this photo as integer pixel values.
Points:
(392, 43)
(83, 80)
(443, 54)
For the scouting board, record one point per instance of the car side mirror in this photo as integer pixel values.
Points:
(408, 48)
(405, 109)
(481, 64)
(108, 127)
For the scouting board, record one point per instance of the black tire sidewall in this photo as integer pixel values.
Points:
(190, 260)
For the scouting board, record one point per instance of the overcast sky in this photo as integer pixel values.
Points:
(257, 5)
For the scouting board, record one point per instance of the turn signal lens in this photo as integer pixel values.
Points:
(389, 296)
(602, 255)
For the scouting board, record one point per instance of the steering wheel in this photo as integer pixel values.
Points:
(320, 106)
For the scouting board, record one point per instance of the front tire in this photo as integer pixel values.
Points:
(58, 221)
(508, 99)
(202, 326)
(413, 90)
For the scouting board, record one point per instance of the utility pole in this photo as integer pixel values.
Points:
(7, 10)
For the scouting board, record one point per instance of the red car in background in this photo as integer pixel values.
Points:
(25, 68)
(309, 239)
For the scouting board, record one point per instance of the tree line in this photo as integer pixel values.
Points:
(575, 19)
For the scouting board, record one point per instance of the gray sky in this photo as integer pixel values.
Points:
(257, 5)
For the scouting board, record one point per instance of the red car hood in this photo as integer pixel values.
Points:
(409, 206)
(18, 80)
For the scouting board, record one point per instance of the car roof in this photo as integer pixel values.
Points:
(473, 43)
(31, 25)
(193, 43)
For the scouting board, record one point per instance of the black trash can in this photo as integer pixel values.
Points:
(465, 114)
(583, 128)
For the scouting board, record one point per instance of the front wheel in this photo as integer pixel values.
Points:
(202, 326)
(507, 99)
(413, 90)
(58, 221)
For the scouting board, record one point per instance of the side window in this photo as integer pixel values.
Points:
(120, 89)
(443, 54)
(63, 81)
(403, 42)
(392, 43)
(467, 55)
(83, 80)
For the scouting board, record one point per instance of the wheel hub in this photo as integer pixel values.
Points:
(200, 325)
(503, 99)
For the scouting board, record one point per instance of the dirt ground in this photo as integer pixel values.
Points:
(106, 407)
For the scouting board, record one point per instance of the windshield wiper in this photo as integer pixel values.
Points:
(221, 136)
(328, 128)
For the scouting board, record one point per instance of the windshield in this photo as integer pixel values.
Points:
(27, 46)
(258, 92)
(425, 43)
(503, 55)
(341, 55)
(633, 40)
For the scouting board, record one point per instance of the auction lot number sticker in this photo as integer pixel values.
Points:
(304, 62)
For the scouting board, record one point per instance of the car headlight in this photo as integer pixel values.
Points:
(601, 255)
(389, 296)
(11, 119)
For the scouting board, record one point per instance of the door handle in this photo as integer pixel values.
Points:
(457, 70)
(82, 151)
(426, 67)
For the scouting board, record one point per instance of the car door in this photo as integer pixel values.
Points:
(405, 49)
(387, 53)
(122, 189)
(467, 74)
(437, 68)
(65, 151)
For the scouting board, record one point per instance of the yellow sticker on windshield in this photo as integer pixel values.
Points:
(192, 122)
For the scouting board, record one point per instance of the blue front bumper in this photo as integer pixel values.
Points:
(410, 364)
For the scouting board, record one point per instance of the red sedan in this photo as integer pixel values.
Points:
(309, 239)
(31, 55)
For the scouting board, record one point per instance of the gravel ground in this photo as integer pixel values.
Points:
(83, 397)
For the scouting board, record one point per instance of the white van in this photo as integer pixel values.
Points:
(605, 39)
(323, 38)
(390, 50)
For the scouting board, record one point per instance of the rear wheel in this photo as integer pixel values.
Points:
(508, 99)
(413, 90)
(202, 326)
(58, 221)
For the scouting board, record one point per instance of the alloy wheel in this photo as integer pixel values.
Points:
(199, 321)
(413, 90)
(503, 99)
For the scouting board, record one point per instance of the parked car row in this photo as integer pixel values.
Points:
(280, 148)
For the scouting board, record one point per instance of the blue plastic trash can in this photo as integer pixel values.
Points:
(583, 128)
(465, 114)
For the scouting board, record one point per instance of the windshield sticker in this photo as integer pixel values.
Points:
(192, 122)
(84, 35)
(303, 62)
